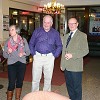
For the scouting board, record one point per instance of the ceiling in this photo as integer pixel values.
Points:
(64, 2)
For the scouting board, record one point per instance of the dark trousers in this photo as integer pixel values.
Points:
(16, 74)
(74, 84)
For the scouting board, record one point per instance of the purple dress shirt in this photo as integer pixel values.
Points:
(45, 42)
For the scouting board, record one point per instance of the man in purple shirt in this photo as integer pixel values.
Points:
(45, 45)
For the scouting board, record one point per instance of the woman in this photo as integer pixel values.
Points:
(15, 50)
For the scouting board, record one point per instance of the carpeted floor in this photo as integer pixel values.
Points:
(58, 75)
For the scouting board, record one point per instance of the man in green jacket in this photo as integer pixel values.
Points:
(74, 50)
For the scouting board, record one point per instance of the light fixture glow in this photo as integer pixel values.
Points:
(53, 7)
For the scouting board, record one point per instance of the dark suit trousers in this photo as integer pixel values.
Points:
(74, 84)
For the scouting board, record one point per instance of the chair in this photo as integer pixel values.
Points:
(44, 95)
(3, 61)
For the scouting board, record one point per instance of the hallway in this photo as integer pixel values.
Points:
(91, 82)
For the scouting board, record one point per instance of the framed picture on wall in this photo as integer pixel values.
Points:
(5, 22)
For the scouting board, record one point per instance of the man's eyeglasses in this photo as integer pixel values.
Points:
(72, 23)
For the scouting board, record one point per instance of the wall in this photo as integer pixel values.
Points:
(1, 20)
(4, 10)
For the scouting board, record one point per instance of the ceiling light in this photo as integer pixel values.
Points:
(53, 7)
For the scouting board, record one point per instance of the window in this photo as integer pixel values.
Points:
(94, 23)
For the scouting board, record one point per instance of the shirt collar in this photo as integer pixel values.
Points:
(48, 31)
(73, 32)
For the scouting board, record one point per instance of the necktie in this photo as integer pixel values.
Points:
(69, 38)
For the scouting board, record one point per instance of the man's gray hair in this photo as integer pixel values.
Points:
(49, 17)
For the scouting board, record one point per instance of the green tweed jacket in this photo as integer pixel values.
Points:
(78, 47)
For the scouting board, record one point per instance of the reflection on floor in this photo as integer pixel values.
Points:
(91, 83)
